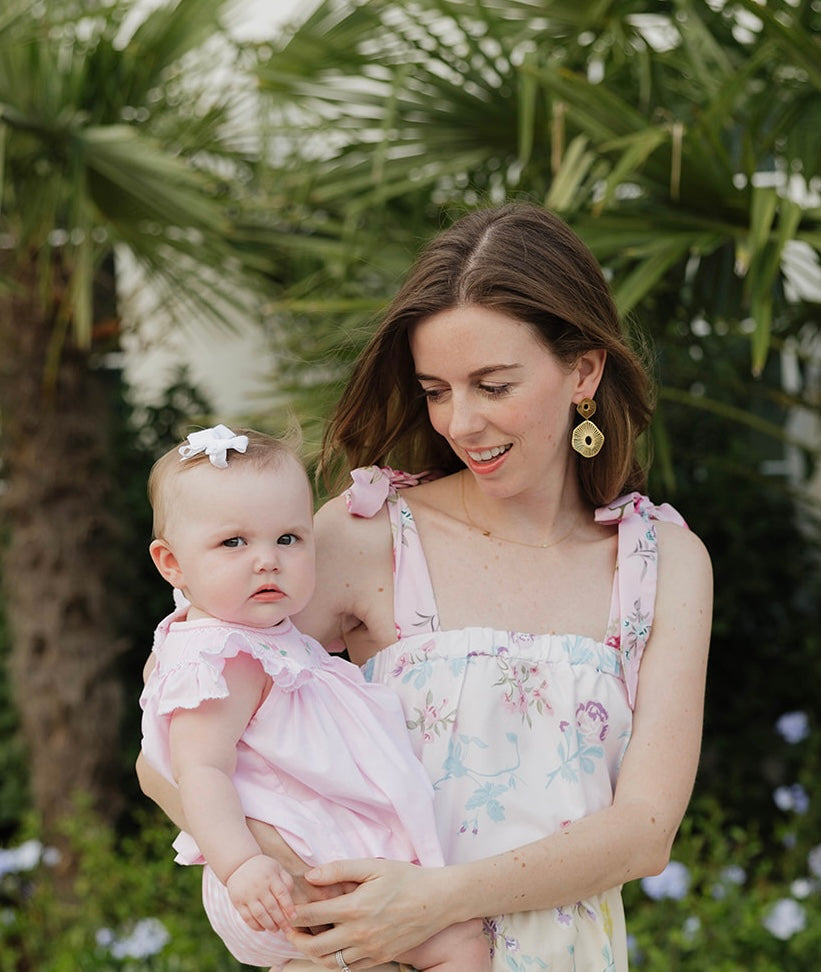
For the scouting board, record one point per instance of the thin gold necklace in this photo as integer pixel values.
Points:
(519, 543)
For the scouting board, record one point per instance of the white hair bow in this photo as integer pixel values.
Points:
(215, 443)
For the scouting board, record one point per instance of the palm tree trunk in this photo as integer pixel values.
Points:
(55, 560)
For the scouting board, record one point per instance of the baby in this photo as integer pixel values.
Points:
(252, 719)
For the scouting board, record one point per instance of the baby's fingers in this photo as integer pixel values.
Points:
(249, 917)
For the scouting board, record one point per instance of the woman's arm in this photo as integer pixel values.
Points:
(398, 906)
(162, 791)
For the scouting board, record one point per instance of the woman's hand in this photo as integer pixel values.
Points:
(394, 908)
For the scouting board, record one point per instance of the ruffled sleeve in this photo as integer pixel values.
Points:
(637, 576)
(191, 666)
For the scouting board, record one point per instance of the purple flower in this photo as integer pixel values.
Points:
(793, 727)
(591, 718)
(673, 882)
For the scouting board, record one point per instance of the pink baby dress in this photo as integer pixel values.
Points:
(520, 733)
(326, 759)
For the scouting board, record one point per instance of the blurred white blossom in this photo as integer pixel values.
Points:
(148, 937)
(814, 861)
(23, 858)
(634, 952)
(673, 882)
(785, 918)
(732, 875)
(792, 797)
(794, 727)
(802, 888)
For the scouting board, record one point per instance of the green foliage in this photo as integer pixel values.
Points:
(112, 134)
(741, 883)
(121, 882)
(718, 914)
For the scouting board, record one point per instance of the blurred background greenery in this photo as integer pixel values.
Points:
(160, 175)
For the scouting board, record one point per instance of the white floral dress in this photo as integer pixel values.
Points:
(520, 733)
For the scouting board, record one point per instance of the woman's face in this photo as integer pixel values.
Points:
(501, 398)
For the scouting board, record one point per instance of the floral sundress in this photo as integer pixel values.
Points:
(520, 733)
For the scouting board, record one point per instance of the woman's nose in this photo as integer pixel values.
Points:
(465, 418)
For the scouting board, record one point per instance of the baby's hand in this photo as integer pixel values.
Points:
(260, 890)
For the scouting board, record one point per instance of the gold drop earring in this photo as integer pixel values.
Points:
(587, 438)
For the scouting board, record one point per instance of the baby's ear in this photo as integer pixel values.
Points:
(165, 562)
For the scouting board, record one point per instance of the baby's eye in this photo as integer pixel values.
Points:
(234, 542)
(287, 539)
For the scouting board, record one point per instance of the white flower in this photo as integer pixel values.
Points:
(802, 888)
(814, 861)
(673, 882)
(23, 858)
(691, 928)
(147, 937)
(635, 953)
(732, 874)
(792, 798)
(794, 727)
(785, 918)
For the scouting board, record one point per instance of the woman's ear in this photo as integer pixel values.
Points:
(589, 369)
(166, 563)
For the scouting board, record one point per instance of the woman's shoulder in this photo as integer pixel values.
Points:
(681, 545)
(336, 525)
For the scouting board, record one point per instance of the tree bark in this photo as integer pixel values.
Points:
(55, 563)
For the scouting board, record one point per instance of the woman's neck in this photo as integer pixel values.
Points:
(541, 517)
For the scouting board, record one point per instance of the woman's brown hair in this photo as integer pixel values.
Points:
(525, 262)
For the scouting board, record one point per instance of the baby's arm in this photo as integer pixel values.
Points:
(203, 744)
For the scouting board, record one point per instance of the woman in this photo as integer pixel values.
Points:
(509, 601)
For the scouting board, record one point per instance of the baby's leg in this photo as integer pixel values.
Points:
(460, 948)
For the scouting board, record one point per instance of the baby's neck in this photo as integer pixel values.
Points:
(198, 614)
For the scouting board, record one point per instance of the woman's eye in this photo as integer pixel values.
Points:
(234, 542)
(433, 394)
(494, 391)
(287, 539)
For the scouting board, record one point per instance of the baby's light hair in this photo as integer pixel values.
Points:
(264, 452)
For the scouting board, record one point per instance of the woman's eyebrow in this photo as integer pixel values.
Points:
(478, 373)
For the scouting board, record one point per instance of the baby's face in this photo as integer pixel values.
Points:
(243, 540)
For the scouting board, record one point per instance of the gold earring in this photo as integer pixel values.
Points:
(587, 438)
